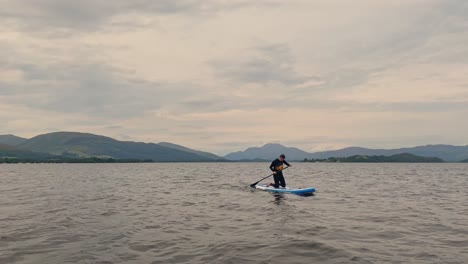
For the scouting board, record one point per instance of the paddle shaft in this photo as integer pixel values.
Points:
(253, 184)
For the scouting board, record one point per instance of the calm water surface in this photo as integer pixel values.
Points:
(206, 213)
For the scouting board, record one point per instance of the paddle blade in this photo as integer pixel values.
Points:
(253, 184)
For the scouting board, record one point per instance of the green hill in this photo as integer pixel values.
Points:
(83, 145)
(404, 157)
(5, 147)
(11, 152)
(11, 140)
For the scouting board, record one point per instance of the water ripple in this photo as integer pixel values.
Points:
(206, 213)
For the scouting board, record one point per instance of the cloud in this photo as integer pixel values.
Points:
(223, 75)
(76, 88)
(264, 65)
(69, 17)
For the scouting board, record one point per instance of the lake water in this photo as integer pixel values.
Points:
(206, 213)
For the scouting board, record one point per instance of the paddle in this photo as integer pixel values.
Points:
(253, 184)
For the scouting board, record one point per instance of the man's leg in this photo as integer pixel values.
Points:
(281, 180)
(277, 180)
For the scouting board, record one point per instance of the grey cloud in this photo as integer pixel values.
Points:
(447, 21)
(213, 103)
(320, 104)
(371, 46)
(426, 107)
(96, 89)
(271, 63)
(114, 127)
(206, 104)
(107, 92)
(46, 14)
(409, 107)
(90, 15)
(454, 8)
(347, 77)
(426, 33)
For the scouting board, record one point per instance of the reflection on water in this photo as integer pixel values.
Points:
(278, 198)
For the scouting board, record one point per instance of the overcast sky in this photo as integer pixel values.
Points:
(228, 74)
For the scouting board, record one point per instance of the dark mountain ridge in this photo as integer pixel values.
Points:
(400, 158)
(445, 152)
(268, 152)
(11, 140)
(85, 145)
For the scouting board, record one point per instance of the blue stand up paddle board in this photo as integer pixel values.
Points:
(304, 191)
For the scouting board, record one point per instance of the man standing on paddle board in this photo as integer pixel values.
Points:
(277, 167)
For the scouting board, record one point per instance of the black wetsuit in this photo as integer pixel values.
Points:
(277, 166)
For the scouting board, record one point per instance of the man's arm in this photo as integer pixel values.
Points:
(272, 166)
(285, 162)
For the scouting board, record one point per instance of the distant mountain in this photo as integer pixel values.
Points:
(11, 140)
(7, 151)
(351, 151)
(82, 145)
(445, 152)
(201, 153)
(73, 145)
(7, 147)
(403, 157)
(254, 160)
(268, 152)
